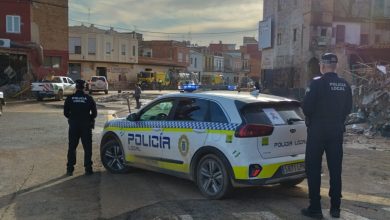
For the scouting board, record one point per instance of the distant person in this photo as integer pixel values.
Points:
(80, 110)
(257, 86)
(137, 95)
(160, 84)
(326, 105)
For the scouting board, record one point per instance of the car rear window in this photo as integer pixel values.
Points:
(94, 79)
(272, 113)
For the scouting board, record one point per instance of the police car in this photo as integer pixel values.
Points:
(220, 140)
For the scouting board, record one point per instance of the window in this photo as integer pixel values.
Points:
(191, 110)
(52, 62)
(323, 32)
(75, 45)
(91, 46)
(377, 38)
(256, 114)
(195, 65)
(340, 34)
(123, 49)
(108, 48)
(295, 35)
(216, 113)
(13, 24)
(158, 112)
(180, 57)
(279, 39)
(191, 60)
(134, 51)
(364, 39)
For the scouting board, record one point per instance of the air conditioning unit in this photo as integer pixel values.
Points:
(5, 43)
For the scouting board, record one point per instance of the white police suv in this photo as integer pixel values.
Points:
(219, 140)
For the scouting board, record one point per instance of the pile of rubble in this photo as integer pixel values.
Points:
(371, 96)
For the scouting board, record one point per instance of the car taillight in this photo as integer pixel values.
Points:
(254, 130)
(254, 170)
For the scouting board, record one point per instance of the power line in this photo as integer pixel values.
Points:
(51, 4)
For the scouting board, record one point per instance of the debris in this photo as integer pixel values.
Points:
(371, 95)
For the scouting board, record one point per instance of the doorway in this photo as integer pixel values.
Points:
(101, 71)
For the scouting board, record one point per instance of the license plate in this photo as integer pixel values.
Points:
(293, 168)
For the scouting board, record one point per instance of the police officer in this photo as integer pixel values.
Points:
(80, 109)
(137, 95)
(327, 103)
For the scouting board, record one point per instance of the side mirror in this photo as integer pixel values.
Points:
(132, 117)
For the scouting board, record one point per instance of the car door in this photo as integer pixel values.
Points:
(144, 137)
(71, 86)
(65, 85)
(188, 132)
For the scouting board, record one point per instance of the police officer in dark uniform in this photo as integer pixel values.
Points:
(326, 105)
(80, 109)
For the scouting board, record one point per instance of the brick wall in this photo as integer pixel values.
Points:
(50, 24)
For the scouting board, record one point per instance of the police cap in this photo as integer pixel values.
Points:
(329, 58)
(80, 84)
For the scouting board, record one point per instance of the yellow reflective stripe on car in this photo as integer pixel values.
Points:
(184, 168)
(178, 130)
(169, 130)
(127, 129)
(242, 172)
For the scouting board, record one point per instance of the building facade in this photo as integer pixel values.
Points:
(196, 62)
(293, 34)
(169, 57)
(30, 46)
(93, 51)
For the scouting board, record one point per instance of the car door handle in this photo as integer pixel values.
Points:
(199, 130)
(156, 129)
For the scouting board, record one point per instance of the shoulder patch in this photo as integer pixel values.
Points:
(317, 77)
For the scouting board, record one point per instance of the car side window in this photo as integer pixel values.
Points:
(191, 109)
(70, 81)
(216, 113)
(158, 112)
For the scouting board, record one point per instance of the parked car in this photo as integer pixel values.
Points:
(219, 140)
(97, 84)
(57, 87)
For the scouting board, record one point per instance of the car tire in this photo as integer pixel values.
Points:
(90, 91)
(212, 177)
(113, 157)
(60, 95)
(106, 92)
(292, 183)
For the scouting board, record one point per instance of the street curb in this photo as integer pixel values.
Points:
(21, 102)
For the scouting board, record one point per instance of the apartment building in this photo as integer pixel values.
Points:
(95, 51)
(32, 43)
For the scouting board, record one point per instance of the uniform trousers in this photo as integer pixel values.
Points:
(326, 138)
(79, 130)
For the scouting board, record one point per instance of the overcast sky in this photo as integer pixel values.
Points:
(174, 19)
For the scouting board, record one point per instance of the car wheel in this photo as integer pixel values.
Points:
(292, 183)
(90, 91)
(60, 95)
(106, 92)
(113, 157)
(212, 177)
